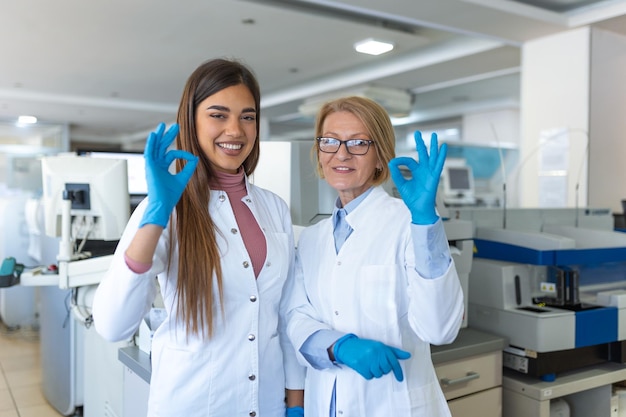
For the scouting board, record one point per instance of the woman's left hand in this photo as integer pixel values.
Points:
(420, 191)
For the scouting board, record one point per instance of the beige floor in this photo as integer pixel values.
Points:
(20, 375)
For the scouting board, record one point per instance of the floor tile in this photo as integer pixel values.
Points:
(22, 378)
(28, 396)
(30, 361)
(20, 375)
(38, 411)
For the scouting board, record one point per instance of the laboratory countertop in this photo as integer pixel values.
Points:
(469, 342)
(136, 360)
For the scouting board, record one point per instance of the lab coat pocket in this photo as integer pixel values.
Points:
(378, 300)
(177, 370)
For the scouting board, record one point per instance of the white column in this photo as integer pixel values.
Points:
(607, 154)
(555, 106)
(573, 120)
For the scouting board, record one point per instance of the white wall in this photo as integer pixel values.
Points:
(493, 128)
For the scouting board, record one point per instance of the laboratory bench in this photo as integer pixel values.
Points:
(469, 369)
(587, 391)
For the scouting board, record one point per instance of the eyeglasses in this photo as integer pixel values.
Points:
(353, 146)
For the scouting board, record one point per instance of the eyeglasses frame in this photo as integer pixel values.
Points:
(345, 143)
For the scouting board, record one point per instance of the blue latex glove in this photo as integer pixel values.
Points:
(164, 188)
(419, 192)
(295, 412)
(370, 358)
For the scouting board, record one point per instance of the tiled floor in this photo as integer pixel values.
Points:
(20, 375)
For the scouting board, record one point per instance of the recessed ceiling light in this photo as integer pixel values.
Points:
(26, 120)
(373, 47)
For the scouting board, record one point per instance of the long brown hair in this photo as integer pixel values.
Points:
(199, 256)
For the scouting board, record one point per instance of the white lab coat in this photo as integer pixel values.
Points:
(372, 289)
(244, 368)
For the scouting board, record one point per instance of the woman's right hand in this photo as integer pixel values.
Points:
(164, 188)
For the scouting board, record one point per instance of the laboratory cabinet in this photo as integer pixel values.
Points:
(587, 391)
(472, 385)
(470, 373)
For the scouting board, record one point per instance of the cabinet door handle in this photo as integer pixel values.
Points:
(468, 377)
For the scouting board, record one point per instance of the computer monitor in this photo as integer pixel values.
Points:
(136, 165)
(458, 185)
(97, 189)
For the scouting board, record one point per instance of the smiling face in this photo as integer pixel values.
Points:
(226, 127)
(351, 175)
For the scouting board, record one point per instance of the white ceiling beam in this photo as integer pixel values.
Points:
(110, 103)
(424, 57)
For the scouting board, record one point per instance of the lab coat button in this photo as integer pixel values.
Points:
(336, 313)
(248, 200)
(253, 298)
(252, 413)
(338, 263)
(251, 337)
(268, 264)
(233, 231)
(251, 377)
(222, 197)
(246, 264)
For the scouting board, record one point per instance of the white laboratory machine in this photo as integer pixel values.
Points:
(86, 206)
(550, 281)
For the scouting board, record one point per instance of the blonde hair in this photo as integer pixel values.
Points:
(377, 124)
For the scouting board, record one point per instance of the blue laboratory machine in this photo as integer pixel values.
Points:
(553, 281)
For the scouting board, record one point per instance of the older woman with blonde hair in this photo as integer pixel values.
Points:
(375, 283)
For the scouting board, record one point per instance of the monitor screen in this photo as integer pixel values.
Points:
(135, 162)
(459, 178)
(97, 189)
(458, 185)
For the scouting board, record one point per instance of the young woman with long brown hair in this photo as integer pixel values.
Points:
(221, 249)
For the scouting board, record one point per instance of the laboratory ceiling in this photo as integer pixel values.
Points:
(112, 70)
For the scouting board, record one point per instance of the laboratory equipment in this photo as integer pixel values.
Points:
(458, 185)
(84, 199)
(10, 272)
(540, 281)
(136, 166)
(460, 234)
(17, 304)
(96, 191)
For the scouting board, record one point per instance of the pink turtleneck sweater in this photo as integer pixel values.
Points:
(234, 185)
(253, 238)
